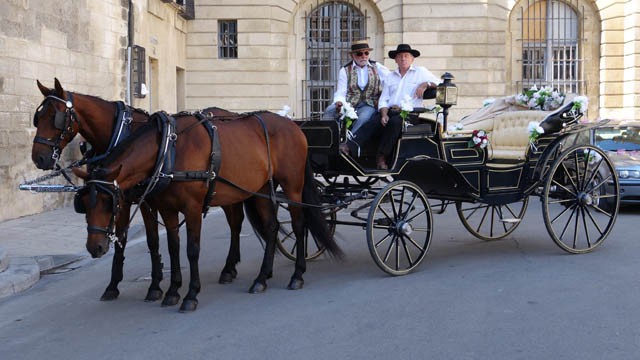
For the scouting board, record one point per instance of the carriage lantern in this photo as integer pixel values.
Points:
(446, 95)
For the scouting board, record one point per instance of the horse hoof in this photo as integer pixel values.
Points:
(226, 278)
(109, 295)
(295, 284)
(170, 300)
(153, 295)
(188, 305)
(257, 288)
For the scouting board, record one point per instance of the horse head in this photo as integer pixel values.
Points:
(100, 201)
(56, 122)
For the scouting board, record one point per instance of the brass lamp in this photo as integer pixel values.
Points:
(446, 95)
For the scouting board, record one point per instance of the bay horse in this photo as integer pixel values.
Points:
(253, 149)
(61, 116)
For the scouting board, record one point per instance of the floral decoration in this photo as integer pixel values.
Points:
(546, 98)
(479, 139)
(580, 105)
(285, 111)
(348, 114)
(535, 130)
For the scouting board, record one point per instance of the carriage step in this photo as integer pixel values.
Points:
(510, 220)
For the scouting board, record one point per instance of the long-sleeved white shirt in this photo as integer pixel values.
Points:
(396, 87)
(363, 79)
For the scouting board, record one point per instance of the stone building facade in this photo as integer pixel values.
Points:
(246, 55)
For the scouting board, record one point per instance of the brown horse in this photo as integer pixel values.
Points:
(64, 114)
(253, 148)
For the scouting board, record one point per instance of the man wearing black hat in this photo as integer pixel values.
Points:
(359, 84)
(406, 84)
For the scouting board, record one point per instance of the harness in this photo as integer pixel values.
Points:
(63, 120)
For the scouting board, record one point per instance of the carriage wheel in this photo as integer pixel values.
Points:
(491, 222)
(399, 227)
(580, 199)
(286, 240)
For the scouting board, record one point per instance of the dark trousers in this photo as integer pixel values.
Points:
(388, 135)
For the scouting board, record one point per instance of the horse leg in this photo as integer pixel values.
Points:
(117, 264)
(173, 241)
(235, 216)
(265, 210)
(194, 225)
(150, 217)
(297, 224)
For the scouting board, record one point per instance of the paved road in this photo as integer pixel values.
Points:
(520, 298)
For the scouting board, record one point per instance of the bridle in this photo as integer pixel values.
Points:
(63, 121)
(106, 187)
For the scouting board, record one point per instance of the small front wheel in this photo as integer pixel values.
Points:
(580, 199)
(399, 227)
(491, 222)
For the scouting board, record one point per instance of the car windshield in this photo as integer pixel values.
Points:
(619, 138)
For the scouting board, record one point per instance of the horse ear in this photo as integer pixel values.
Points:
(80, 173)
(59, 90)
(43, 89)
(113, 174)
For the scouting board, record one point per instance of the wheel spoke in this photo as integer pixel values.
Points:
(575, 227)
(484, 215)
(568, 222)
(562, 213)
(595, 223)
(601, 183)
(561, 201)
(584, 224)
(566, 172)
(565, 189)
(406, 251)
(391, 243)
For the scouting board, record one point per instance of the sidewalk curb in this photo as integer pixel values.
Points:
(20, 275)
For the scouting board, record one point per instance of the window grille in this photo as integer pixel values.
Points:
(330, 29)
(138, 75)
(552, 36)
(227, 39)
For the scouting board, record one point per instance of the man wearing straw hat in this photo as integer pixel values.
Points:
(359, 84)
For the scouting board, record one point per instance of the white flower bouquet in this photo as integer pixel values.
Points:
(479, 139)
(545, 98)
(348, 114)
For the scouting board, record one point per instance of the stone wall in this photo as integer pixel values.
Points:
(83, 44)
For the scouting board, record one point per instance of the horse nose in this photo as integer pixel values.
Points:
(96, 251)
(42, 162)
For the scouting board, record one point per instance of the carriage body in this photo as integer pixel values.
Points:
(490, 188)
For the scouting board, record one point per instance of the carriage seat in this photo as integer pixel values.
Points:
(507, 132)
(509, 138)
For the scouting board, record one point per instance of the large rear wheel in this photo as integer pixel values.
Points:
(399, 227)
(580, 199)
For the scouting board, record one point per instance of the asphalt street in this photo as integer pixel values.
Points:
(518, 298)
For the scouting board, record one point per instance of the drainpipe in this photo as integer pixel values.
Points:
(129, 96)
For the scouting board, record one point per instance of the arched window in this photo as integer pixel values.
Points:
(330, 28)
(552, 36)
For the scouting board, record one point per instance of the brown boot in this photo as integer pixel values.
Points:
(381, 163)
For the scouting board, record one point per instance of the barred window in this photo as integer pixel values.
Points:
(330, 29)
(227, 39)
(552, 45)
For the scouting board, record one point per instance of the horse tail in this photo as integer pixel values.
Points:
(314, 219)
(251, 212)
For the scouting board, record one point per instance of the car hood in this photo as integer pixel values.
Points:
(626, 160)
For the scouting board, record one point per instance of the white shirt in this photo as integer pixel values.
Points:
(363, 79)
(396, 87)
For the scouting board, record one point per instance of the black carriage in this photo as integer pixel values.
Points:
(435, 167)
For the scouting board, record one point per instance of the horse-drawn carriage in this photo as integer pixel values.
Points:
(432, 168)
(435, 167)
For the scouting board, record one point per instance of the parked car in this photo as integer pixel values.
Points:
(621, 140)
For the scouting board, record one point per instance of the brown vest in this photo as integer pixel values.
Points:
(371, 92)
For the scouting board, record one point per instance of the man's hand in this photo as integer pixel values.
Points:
(384, 116)
(423, 87)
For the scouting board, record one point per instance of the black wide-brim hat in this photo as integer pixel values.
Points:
(403, 48)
